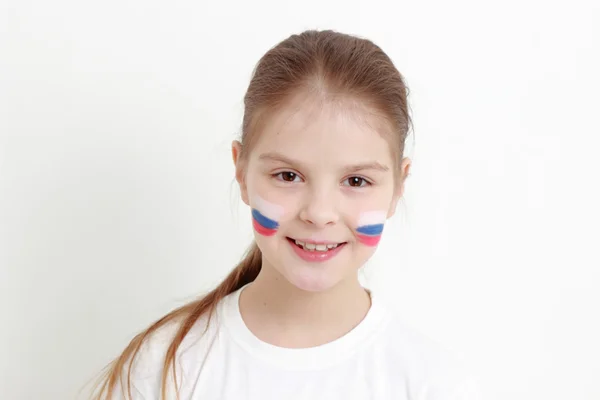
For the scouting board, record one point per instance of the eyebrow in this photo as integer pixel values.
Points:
(351, 168)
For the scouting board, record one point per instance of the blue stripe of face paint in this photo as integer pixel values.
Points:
(264, 221)
(370, 230)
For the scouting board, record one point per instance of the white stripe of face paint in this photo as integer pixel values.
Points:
(268, 209)
(372, 218)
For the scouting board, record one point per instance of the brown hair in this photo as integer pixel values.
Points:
(315, 61)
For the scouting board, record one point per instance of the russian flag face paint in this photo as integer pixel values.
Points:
(370, 227)
(265, 216)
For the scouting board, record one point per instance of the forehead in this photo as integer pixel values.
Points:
(333, 133)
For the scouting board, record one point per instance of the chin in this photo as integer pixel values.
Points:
(311, 283)
(316, 277)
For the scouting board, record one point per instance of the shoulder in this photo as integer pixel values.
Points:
(148, 366)
(433, 371)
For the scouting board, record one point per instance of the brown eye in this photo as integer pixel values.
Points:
(356, 181)
(287, 176)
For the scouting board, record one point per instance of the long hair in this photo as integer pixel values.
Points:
(322, 62)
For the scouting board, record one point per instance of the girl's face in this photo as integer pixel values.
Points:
(320, 181)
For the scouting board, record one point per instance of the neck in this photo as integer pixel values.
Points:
(280, 313)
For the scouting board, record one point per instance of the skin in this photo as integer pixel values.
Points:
(324, 163)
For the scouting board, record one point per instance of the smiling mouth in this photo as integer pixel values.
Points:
(315, 247)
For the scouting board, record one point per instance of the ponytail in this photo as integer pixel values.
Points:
(245, 272)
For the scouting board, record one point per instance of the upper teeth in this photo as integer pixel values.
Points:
(317, 247)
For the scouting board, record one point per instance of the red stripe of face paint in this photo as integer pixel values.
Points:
(369, 240)
(262, 230)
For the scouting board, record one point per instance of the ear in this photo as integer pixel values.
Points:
(236, 150)
(399, 189)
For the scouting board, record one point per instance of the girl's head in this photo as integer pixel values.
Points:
(320, 161)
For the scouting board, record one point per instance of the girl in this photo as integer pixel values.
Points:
(320, 163)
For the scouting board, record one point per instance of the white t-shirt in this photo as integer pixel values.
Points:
(381, 358)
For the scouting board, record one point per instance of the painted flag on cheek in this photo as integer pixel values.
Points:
(370, 227)
(265, 216)
(262, 224)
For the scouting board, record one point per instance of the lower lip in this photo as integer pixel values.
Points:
(315, 256)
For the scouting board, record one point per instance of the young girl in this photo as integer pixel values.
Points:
(320, 163)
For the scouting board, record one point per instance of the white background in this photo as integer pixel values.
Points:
(117, 200)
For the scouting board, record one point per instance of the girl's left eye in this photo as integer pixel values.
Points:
(357, 181)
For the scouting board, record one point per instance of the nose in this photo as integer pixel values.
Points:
(319, 209)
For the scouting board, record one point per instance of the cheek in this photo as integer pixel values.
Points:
(266, 215)
(263, 225)
(369, 227)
